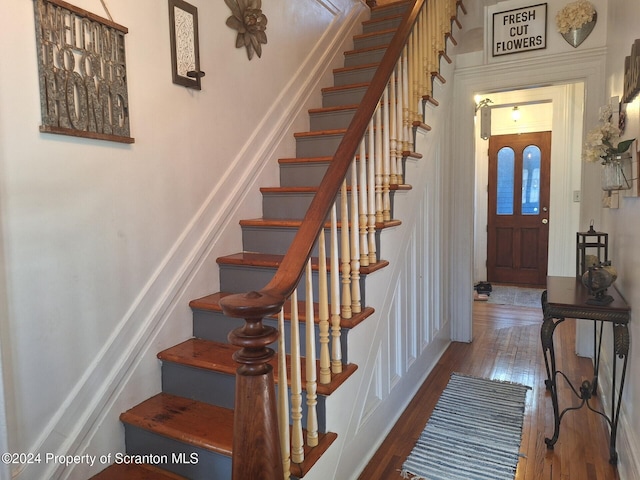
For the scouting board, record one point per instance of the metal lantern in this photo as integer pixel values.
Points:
(590, 243)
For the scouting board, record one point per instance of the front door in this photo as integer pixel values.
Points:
(518, 217)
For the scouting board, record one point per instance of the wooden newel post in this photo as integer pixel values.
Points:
(256, 440)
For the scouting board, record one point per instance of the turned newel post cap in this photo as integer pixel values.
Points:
(251, 304)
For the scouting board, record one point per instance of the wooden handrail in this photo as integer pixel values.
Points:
(255, 376)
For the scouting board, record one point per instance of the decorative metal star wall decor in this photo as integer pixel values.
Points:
(247, 18)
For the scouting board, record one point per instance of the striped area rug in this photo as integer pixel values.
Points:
(474, 432)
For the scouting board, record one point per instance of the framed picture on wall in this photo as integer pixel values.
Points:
(185, 49)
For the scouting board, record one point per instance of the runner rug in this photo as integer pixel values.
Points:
(520, 297)
(474, 432)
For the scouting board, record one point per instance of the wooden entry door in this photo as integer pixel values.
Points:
(518, 216)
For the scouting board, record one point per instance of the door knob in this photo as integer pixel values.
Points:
(545, 221)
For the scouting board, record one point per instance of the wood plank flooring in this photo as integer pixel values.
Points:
(506, 346)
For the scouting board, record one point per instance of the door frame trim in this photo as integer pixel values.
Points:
(584, 66)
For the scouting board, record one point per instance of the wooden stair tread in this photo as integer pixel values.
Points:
(340, 88)
(202, 425)
(296, 223)
(381, 19)
(268, 260)
(326, 133)
(355, 68)
(392, 186)
(377, 33)
(304, 160)
(313, 454)
(188, 421)
(126, 471)
(328, 159)
(217, 357)
(390, 5)
(356, 51)
(319, 133)
(338, 108)
(211, 303)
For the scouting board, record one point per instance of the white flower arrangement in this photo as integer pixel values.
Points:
(599, 143)
(574, 15)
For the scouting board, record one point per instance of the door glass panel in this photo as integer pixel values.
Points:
(504, 193)
(531, 181)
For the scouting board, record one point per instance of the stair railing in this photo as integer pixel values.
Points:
(366, 168)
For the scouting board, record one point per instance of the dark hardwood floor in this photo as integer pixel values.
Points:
(506, 346)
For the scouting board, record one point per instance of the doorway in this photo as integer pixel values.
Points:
(518, 208)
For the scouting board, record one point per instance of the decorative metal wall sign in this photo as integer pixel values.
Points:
(83, 73)
(247, 18)
(520, 30)
(632, 73)
(185, 50)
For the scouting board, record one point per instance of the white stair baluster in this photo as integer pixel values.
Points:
(345, 251)
(386, 159)
(297, 447)
(362, 206)
(283, 400)
(336, 346)
(323, 311)
(371, 196)
(310, 359)
(355, 241)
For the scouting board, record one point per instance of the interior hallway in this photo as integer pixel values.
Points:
(506, 346)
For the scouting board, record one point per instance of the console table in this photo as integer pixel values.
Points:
(566, 297)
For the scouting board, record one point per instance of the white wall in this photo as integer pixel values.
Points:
(104, 244)
(624, 235)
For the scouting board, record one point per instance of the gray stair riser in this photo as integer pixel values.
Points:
(320, 145)
(317, 146)
(292, 205)
(364, 58)
(295, 205)
(388, 11)
(306, 174)
(350, 96)
(218, 388)
(286, 205)
(303, 174)
(386, 24)
(198, 384)
(373, 41)
(277, 240)
(274, 240)
(349, 77)
(330, 120)
(209, 464)
(240, 279)
(215, 326)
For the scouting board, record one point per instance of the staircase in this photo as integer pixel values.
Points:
(187, 430)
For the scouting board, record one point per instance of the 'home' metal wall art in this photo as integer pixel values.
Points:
(83, 73)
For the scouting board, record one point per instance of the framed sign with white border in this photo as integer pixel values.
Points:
(519, 30)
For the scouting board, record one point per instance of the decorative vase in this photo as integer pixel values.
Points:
(613, 177)
(576, 36)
